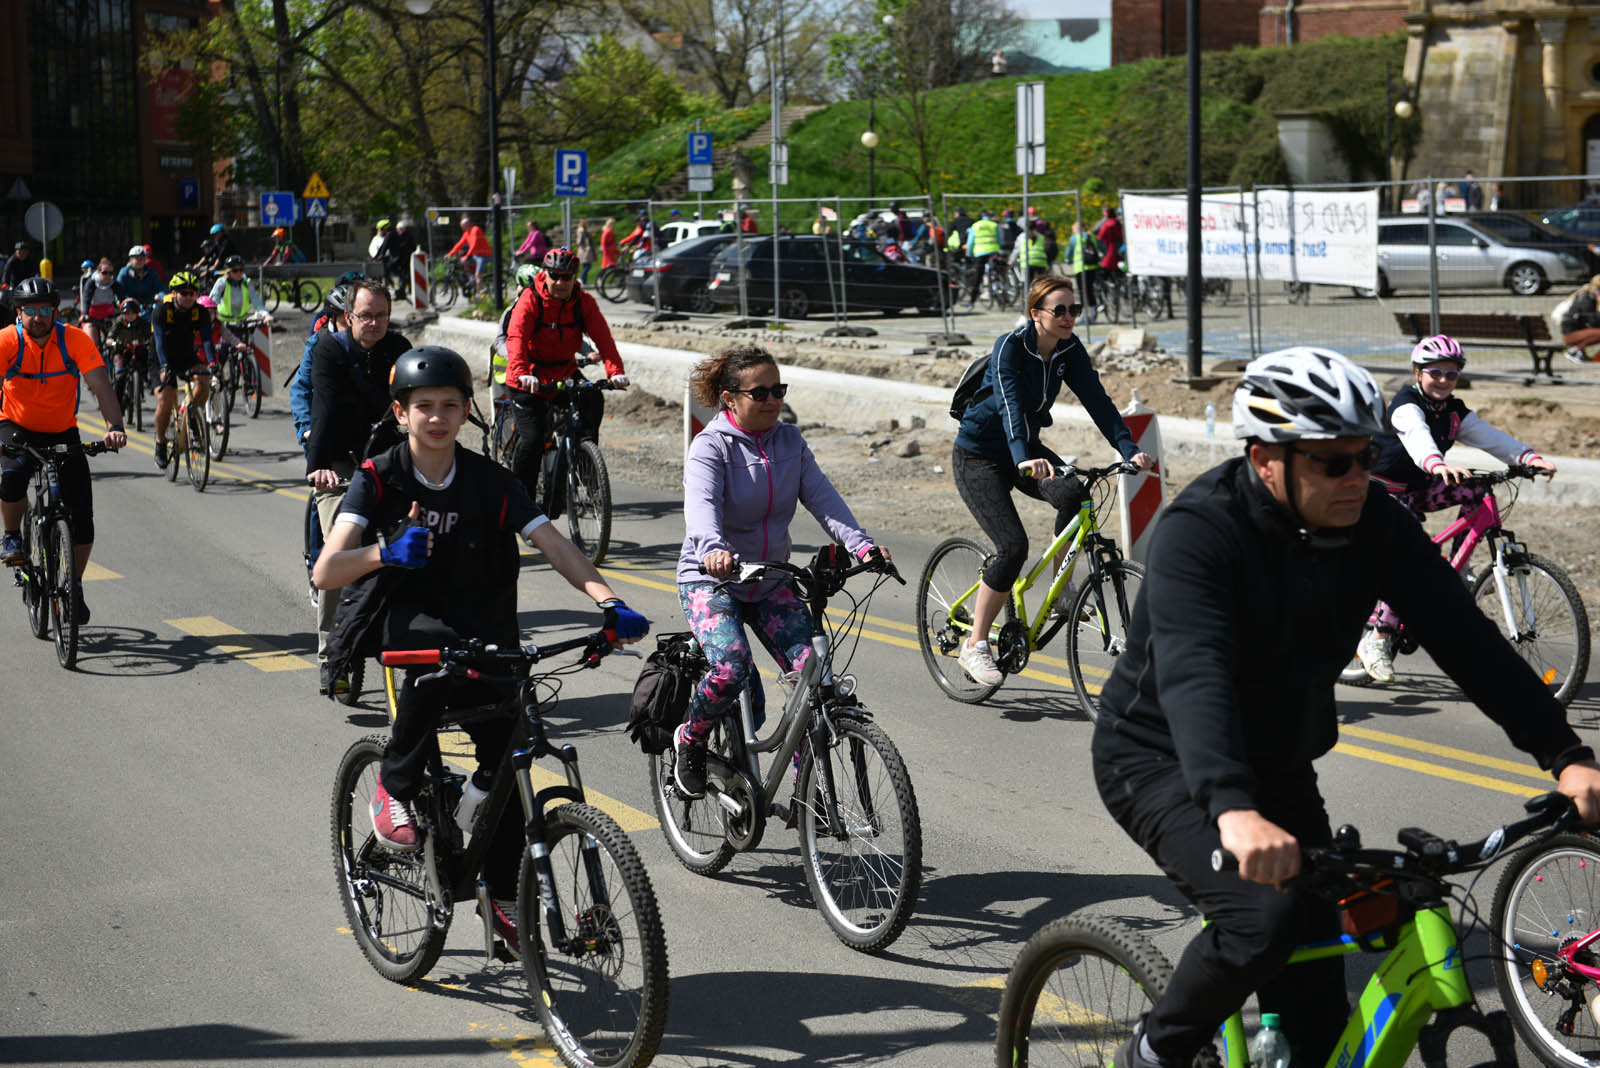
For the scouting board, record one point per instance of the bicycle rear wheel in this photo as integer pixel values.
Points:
(36, 581)
(63, 578)
(1075, 993)
(865, 877)
(589, 501)
(385, 894)
(1547, 900)
(197, 454)
(307, 295)
(694, 828)
(600, 984)
(272, 296)
(1098, 631)
(943, 624)
(1550, 625)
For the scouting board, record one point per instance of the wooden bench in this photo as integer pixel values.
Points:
(1489, 330)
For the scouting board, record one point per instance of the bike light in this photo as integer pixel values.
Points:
(1540, 973)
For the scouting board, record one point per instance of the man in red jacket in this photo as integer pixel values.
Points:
(548, 323)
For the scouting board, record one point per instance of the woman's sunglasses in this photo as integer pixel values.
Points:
(1339, 466)
(1060, 310)
(760, 394)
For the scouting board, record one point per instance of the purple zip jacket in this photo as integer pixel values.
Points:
(739, 494)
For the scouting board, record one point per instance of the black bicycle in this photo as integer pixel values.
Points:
(587, 927)
(48, 574)
(130, 363)
(241, 373)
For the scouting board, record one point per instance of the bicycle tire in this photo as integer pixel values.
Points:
(589, 501)
(613, 284)
(385, 894)
(175, 444)
(271, 296)
(601, 997)
(307, 295)
(197, 453)
(357, 679)
(309, 522)
(1554, 640)
(1073, 970)
(64, 592)
(1094, 638)
(1548, 895)
(35, 588)
(139, 387)
(218, 410)
(867, 888)
(445, 292)
(952, 568)
(694, 828)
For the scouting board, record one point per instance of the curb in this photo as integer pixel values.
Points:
(858, 403)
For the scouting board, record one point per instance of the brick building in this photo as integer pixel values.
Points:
(1141, 29)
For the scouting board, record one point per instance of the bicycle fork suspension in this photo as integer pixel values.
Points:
(1503, 577)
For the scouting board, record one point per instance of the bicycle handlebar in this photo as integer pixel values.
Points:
(25, 448)
(749, 571)
(469, 661)
(1092, 474)
(1512, 472)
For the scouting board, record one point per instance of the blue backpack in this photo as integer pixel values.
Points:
(68, 366)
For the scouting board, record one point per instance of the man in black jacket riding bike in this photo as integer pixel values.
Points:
(1261, 576)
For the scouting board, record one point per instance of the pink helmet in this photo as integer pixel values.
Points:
(206, 302)
(1435, 348)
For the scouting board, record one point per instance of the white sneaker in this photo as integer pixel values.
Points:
(978, 662)
(1576, 355)
(1376, 655)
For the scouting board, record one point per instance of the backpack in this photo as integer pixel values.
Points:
(1560, 311)
(69, 367)
(972, 387)
(661, 694)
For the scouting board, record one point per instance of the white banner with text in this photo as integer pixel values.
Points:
(1309, 236)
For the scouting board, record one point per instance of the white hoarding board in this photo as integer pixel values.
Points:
(1309, 236)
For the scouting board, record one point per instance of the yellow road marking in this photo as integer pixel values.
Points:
(1437, 770)
(95, 573)
(458, 748)
(610, 572)
(1451, 752)
(231, 641)
(219, 468)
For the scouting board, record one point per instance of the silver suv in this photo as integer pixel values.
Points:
(1469, 257)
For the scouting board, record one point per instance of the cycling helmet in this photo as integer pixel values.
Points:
(33, 289)
(429, 365)
(526, 274)
(206, 301)
(138, 250)
(338, 301)
(233, 261)
(216, 228)
(129, 304)
(348, 277)
(1436, 348)
(1305, 393)
(560, 259)
(19, 246)
(183, 280)
(86, 265)
(207, 245)
(280, 232)
(381, 224)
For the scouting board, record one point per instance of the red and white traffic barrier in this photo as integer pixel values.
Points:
(261, 343)
(419, 280)
(1141, 496)
(695, 417)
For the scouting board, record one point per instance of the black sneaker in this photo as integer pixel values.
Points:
(161, 455)
(689, 765)
(323, 675)
(83, 610)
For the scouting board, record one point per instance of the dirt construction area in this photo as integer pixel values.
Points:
(897, 478)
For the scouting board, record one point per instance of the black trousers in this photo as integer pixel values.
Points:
(985, 486)
(1252, 929)
(530, 414)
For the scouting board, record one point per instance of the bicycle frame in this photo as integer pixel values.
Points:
(1478, 525)
(1422, 974)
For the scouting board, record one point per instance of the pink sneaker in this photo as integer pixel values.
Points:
(392, 822)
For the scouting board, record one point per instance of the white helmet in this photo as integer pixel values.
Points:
(1305, 393)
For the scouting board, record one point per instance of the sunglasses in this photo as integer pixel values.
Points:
(106, 274)
(1449, 374)
(760, 394)
(1339, 466)
(560, 276)
(35, 310)
(1060, 310)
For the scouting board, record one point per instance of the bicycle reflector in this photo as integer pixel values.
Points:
(1540, 972)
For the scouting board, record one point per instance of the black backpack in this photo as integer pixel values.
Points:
(972, 387)
(661, 694)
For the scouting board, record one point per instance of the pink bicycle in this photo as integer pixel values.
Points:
(1535, 604)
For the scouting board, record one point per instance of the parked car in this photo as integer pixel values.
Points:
(879, 218)
(1520, 230)
(683, 229)
(681, 270)
(1581, 220)
(809, 277)
(1469, 257)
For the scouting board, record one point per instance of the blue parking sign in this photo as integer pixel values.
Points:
(572, 172)
(188, 192)
(700, 148)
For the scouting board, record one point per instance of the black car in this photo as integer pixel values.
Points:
(1580, 220)
(810, 277)
(681, 270)
(1517, 229)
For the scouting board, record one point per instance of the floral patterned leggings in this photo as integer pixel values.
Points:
(1437, 497)
(717, 619)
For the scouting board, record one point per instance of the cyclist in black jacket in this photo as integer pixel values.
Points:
(1261, 575)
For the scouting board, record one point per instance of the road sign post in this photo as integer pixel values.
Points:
(1030, 151)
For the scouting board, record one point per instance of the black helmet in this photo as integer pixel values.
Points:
(233, 261)
(560, 259)
(430, 365)
(338, 302)
(129, 304)
(207, 245)
(33, 289)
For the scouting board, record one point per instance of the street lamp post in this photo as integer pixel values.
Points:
(1392, 108)
(870, 139)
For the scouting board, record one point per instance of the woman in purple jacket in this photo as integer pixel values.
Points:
(745, 474)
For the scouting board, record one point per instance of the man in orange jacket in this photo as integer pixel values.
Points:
(547, 326)
(473, 246)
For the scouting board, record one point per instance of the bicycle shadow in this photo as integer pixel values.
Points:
(119, 651)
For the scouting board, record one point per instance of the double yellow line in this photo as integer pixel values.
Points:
(219, 468)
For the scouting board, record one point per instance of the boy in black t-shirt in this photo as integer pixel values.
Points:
(426, 537)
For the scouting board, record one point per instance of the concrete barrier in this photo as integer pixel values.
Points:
(857, 403)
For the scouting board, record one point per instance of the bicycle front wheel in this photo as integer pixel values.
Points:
(1075, 992)
(36, 581)
(694, 827)
(596, 962)
(64, 592)
(385, 894)
(865, 872)
(307, 295)
(1098, 631)
(1548, 899)
(218, 407)
(589, 501)
(445, 292)
(250, 382)
(272, 296)
(197, 452)
(1549, 627)
(140, 386)
(946, 600)
(613, 284)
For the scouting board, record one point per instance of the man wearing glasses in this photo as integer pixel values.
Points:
(45, 361)
(181, 325)
(1261, 574)
(349, 396)
(548, 324)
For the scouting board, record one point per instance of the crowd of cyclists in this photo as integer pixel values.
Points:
(1202, 743)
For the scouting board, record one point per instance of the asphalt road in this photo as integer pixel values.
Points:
(168, 882)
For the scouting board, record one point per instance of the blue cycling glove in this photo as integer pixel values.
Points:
(623, 621)
(410, 549)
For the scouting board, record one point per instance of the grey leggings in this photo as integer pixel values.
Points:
(985, 486)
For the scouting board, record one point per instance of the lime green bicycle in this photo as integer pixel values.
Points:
(1082, 982)
(1098, 613)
